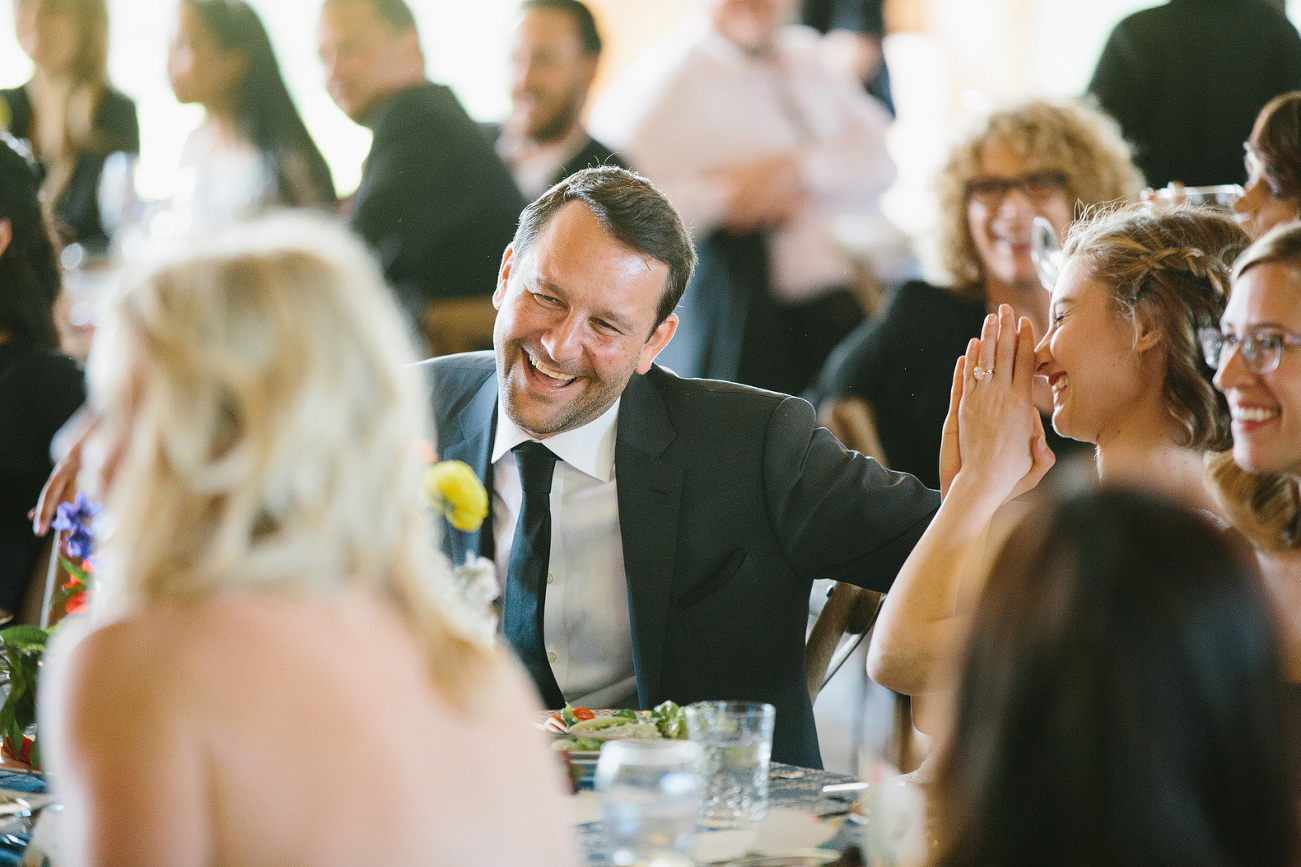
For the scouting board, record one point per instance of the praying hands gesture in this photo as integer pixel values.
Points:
(992, 451)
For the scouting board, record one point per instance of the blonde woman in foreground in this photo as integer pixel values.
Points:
(275, 674)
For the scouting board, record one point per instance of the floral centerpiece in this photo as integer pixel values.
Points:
(453, 490)
(24, 646)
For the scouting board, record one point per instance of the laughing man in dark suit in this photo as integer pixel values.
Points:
(687, 518)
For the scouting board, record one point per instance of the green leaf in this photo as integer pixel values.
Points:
(24, 636)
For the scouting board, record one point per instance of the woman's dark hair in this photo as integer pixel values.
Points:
(1119, 702)
(264, 110)
(1278, 145)
(29, 268)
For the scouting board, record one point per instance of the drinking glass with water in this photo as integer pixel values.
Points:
(650, 800)
(737, 740)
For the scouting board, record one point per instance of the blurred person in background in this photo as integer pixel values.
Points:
(39, 387)
(270, 591)
(435, 203)
(553, 61)
(1119, 700)
(68, 111)
(1035, 159)
(1126, 372)
(853, 32)
(1255, 349)
(1272, 194)
(1187, 78)
(252, 152)
(765, 151)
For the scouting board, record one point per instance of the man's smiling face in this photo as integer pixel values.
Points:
(575, 319)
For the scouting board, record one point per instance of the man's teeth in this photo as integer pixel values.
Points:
(553, 374)
(1253, 413)
(1059, 384)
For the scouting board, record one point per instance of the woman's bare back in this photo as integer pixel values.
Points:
(256, 729)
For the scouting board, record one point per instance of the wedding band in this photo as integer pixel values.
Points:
(980, 373)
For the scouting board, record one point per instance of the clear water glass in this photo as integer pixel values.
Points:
(650, 800)
(1220, 196)
(1045, 252)
(737, 740)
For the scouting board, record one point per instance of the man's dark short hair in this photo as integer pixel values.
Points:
(583, 20)
(394, 13)
(632, 211)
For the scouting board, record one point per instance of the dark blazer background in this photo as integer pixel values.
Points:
(731, 502)
(435, 202)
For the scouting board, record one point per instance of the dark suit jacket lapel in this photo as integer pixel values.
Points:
(469, 439)
(649, 492)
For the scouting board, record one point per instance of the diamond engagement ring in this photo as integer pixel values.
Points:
(980, 373)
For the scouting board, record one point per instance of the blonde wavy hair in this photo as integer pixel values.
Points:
(1071, 137)
(274, 429)
(1265, 507)
(1169, 267)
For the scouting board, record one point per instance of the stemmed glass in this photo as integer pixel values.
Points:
(1045, 252)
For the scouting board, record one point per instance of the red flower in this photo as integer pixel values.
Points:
(76, 604)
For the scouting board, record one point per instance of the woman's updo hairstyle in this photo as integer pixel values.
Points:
(1170, 267)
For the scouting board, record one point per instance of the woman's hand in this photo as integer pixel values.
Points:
(1000, 444)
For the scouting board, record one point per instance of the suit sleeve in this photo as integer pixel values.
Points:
(838, 514)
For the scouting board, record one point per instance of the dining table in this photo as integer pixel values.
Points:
(801, 822)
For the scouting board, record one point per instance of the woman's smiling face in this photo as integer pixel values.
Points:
(1266, 407)
(1090, 358)
(1000, 226)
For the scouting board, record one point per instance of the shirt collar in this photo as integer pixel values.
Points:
(588, 449)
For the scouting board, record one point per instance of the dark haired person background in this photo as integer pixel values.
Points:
(1272, 193)
(435, 203)
(1119, 702)
(554, 55)
(1185, 80)
(68, 111)
(39, 387)
(252, 152)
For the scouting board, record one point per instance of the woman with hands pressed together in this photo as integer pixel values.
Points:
(994, 449)
(1127, 375)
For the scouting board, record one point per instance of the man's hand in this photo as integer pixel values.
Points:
(761, 193)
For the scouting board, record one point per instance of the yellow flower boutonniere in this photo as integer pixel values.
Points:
(452, 488)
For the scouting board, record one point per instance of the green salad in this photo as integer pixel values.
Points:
(586, 731)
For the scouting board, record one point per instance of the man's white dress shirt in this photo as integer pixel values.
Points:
(698, 102)
(586, 629)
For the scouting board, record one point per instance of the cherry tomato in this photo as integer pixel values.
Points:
(583, 713)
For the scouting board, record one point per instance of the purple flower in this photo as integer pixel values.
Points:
(76, 518)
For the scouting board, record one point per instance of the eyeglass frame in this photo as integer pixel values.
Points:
(1048, 183)
(1250, 347)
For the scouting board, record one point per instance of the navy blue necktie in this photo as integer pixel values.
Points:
(526, 576)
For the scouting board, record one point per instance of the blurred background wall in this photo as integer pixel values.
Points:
(947, 59)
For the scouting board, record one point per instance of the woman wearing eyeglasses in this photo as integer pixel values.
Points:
(1272, 194)
(1257, 352)
(1036, 159)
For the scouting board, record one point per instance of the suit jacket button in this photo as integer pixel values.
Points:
(551, 656)
(551, 579)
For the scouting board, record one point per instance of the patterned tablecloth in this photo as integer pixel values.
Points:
(788, 786)
(13, 841)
